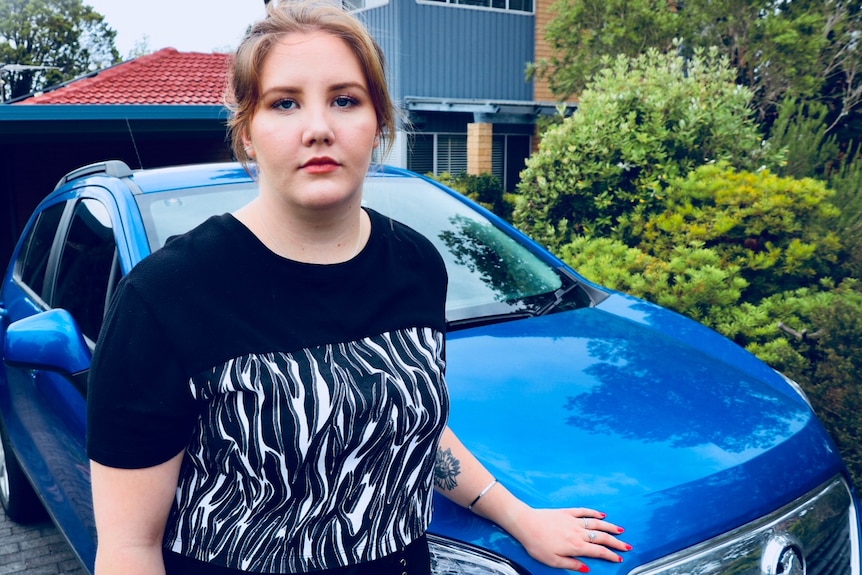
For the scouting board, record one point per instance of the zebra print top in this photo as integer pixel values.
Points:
(309, 399)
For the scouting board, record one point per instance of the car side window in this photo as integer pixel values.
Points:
(85, 275)
(34, 257)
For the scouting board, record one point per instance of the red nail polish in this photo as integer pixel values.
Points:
(621, 559)
(620, 530)
(628, 548)
(584, 569)
(602, 515)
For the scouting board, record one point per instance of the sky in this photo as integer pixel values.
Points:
(187, 25)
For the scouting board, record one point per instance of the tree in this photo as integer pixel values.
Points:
(66, 37)
(582, 32)
(806, 48)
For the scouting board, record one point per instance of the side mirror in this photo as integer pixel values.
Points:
(49, 340)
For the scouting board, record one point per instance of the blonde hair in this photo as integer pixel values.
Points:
(292, 16)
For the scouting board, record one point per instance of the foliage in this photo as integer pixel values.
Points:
(485, 189)
(810, 151)
(603, 28)
(801, 131)
(777, 231)
(65, 35)
(641, 122)
(804, 49)
(846, 180)
(692, 280)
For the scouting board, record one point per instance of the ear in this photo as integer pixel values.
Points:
(377, 140)
(246, 143)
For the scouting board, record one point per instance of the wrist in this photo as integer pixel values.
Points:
(482, 494)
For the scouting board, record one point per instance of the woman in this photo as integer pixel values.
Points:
(268, 393)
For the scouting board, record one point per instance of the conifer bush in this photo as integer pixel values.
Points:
(777, 231)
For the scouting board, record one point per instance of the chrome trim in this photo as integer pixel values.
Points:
(817, 534)
(782, 555)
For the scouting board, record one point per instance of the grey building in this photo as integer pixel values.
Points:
(458, 70)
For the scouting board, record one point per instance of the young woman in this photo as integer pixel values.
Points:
(268, 393)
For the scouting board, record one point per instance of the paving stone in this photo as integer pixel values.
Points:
(35, 550)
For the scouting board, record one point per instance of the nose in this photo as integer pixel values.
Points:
(318, 128)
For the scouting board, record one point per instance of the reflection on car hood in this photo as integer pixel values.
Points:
(635, 411)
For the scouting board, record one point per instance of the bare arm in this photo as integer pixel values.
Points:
(131, 508)
(552, 536)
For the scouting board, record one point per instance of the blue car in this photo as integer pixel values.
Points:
(570, 393)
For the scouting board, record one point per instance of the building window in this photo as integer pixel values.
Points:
(509, 155)
(510, 5)
(438, 153)
(354, 5)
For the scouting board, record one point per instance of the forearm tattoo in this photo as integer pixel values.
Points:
(446, 469)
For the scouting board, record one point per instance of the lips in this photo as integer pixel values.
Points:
(320, 165)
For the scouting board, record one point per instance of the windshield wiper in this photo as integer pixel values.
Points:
(480, 320)
(559, 297)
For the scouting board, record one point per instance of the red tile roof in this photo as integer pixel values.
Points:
(163, 77)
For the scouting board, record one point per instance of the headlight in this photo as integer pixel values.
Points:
(449, 557)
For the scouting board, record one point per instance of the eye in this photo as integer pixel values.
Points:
(284, 104)
(345, 101)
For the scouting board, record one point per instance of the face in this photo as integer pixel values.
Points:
(314, 129)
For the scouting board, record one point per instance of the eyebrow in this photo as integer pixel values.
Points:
(333, 88)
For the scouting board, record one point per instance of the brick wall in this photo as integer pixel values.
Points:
(480, 143)
(541, 91)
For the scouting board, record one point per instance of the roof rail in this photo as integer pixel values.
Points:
(113, 168)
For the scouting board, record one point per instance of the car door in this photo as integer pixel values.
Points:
(47, 408)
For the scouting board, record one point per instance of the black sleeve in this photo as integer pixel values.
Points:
(140, 410)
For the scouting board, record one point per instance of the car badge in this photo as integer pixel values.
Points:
(783, 555)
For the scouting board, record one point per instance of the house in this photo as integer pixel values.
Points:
(160, 109)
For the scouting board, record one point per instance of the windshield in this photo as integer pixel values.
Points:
(492, 276)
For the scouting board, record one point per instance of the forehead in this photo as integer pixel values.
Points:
(309, 56)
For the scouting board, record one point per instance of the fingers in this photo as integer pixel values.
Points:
(605, 526)
(586, 512)
(603, 540)
(599, 535)
(572, 565)
(562, 537)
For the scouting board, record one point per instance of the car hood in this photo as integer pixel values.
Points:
(675, 432)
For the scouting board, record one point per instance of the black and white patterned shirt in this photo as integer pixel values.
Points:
(309, 399)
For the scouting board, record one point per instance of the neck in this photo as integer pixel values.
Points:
(313, 238)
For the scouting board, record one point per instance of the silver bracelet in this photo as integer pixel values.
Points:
(481, 494)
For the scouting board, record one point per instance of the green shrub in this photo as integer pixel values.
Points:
(846, 180)
(641, 123)
(777, 231)
(691, 281)
(802, 132)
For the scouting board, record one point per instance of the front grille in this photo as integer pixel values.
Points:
(818, 531)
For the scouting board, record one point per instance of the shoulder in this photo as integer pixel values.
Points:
(186, 257)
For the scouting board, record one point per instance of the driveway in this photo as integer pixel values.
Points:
(35, 550)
